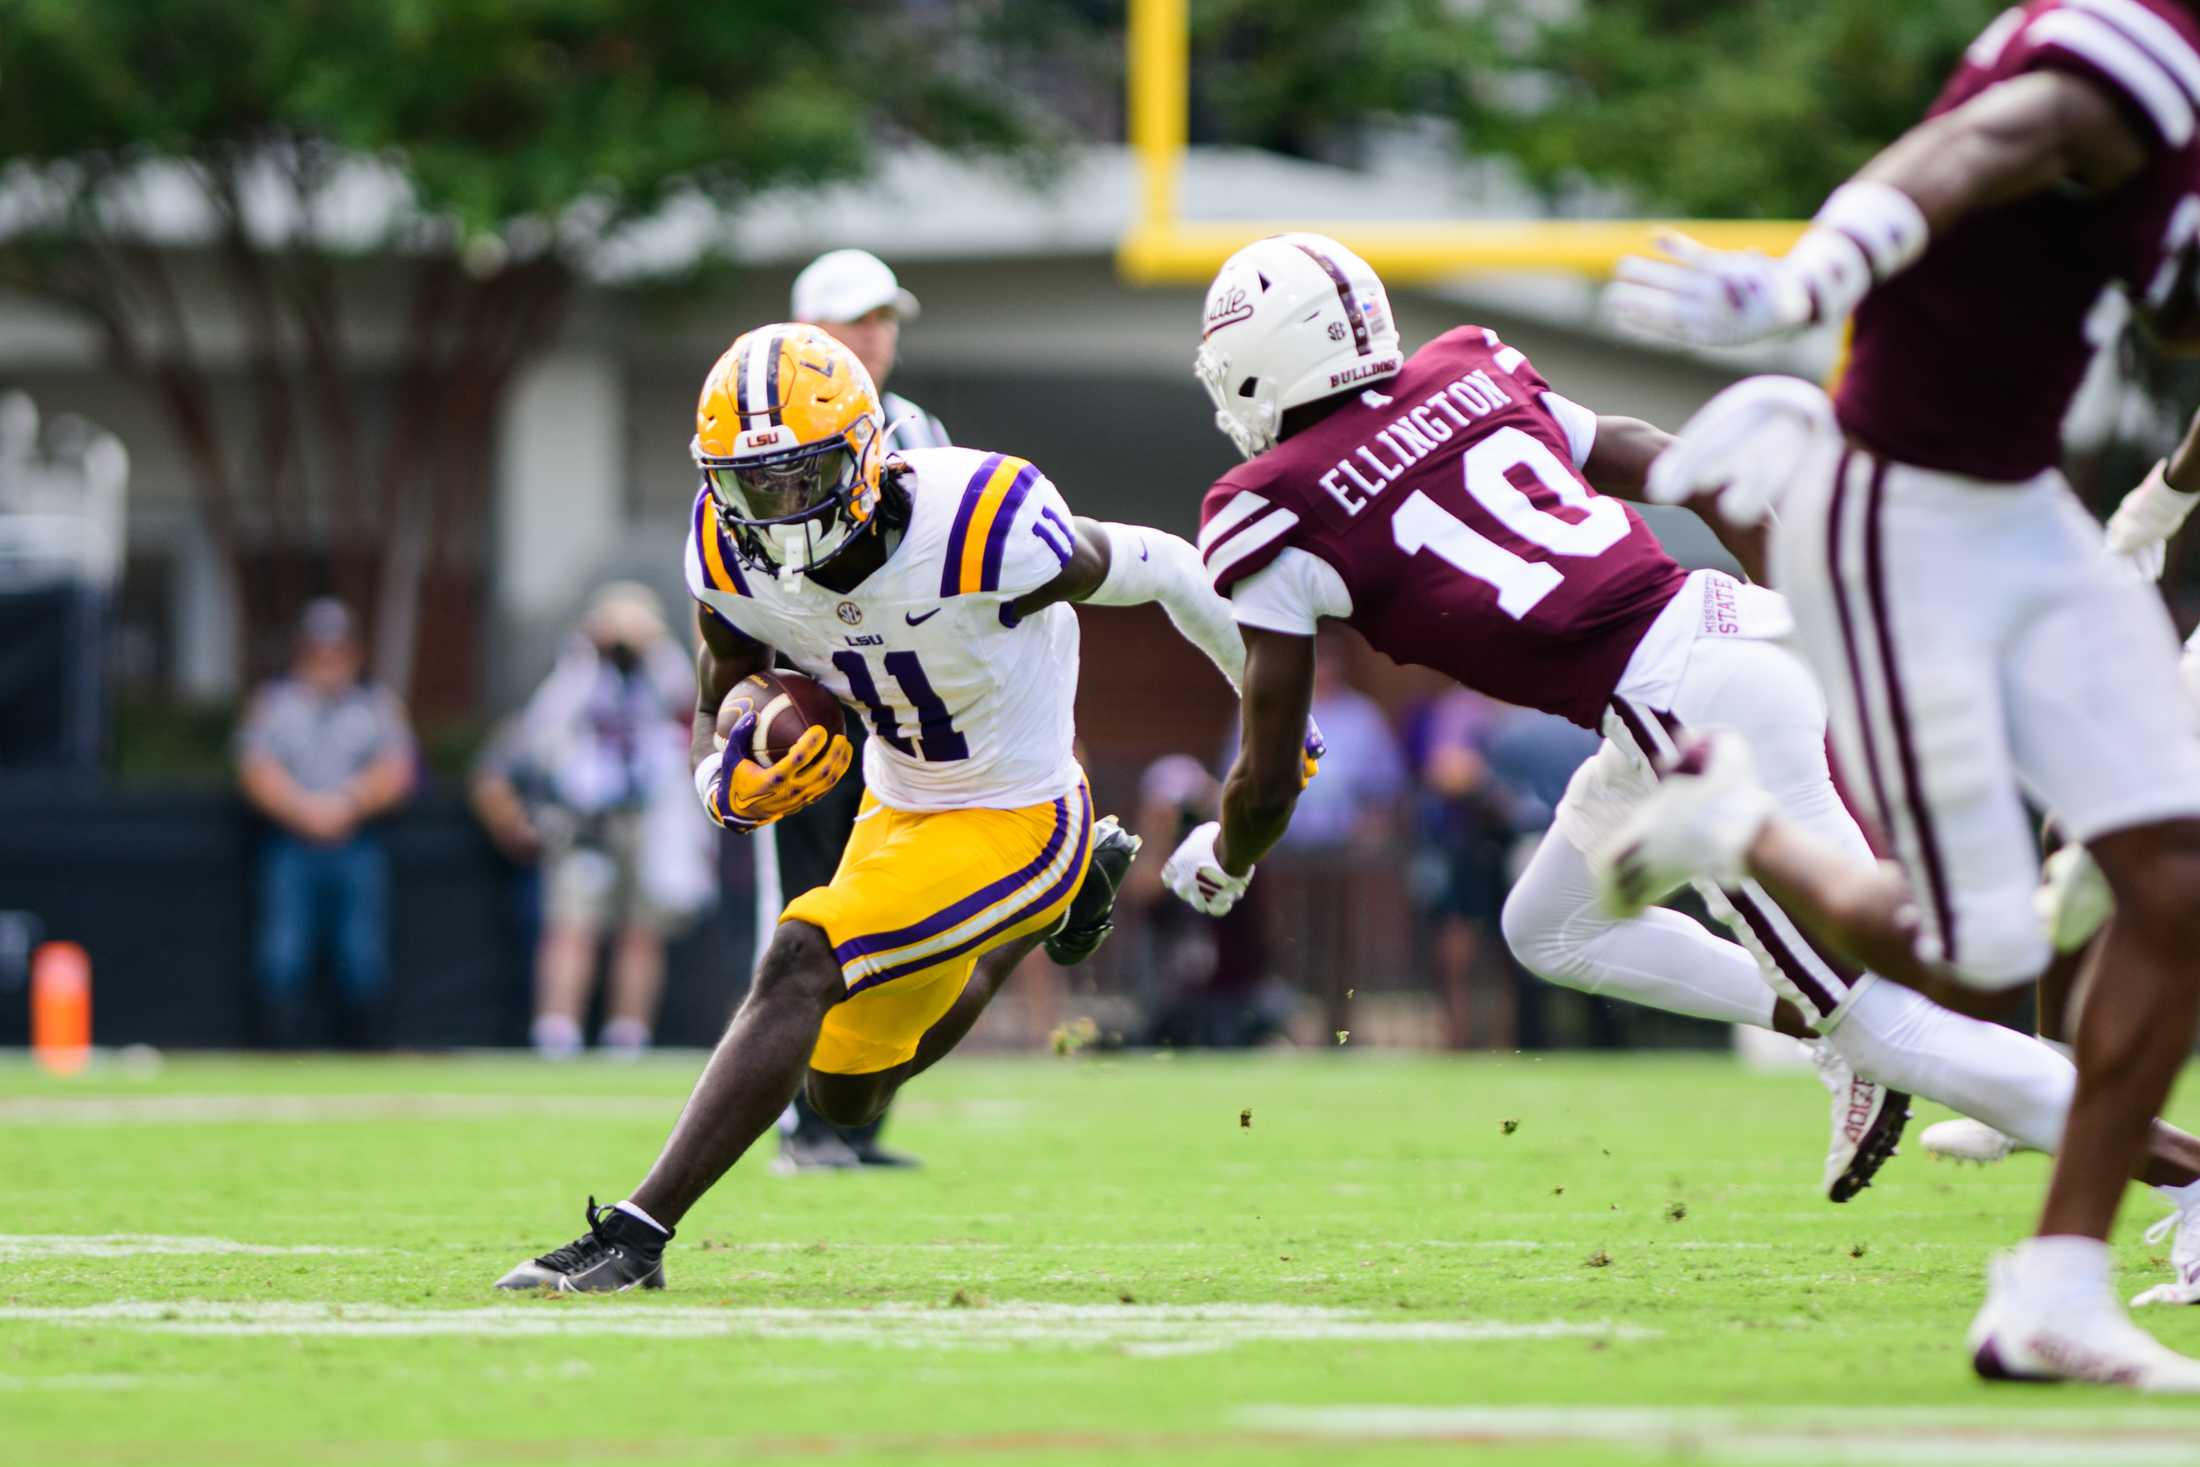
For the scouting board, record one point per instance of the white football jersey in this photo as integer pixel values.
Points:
(967, 706)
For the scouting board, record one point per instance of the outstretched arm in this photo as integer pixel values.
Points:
(2035, 131)
(1214, 864)
(1619, 465)
(1130, 565)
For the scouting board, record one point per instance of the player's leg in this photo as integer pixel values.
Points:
(2108, 743)
(999, 883)
(1559, 931)
(749, 1079)
(1557, 927)
(796, 855)
(852, 1100)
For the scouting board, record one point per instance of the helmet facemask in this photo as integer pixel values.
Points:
(795, 512)
(1247, 418)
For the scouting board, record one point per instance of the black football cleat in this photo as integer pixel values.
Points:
(617, 1253)
(1091, 915)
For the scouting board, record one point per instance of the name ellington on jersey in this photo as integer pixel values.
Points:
(1413, 436)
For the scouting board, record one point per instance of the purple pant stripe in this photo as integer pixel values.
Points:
(1919, 807)
(964, 907)
(1656, 731)
(1835, 573)
(1060, 888)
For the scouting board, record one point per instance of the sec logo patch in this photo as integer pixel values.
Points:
(849, 612)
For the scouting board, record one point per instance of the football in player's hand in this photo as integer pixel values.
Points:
(785, 704)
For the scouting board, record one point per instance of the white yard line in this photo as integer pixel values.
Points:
(15, 1247)
(1137, 1329)
(1931, 1436)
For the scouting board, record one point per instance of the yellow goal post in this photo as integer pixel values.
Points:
(1163, 248)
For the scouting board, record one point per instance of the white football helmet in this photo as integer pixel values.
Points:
(1291, 319)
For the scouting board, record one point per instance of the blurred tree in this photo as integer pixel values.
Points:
(1754, 108)
(482, 155)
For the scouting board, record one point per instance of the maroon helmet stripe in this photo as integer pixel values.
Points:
(1360, 339)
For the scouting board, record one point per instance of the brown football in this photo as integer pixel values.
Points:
(785, 704)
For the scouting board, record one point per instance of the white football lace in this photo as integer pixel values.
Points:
(2163, 1227)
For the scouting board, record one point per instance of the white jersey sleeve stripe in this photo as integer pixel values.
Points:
(2141, 77)
(1235, 513)
(1992, 41)
(1292, 594)
(1253, 537)
(2154, 35)
(1510, 358)
(1580, 425)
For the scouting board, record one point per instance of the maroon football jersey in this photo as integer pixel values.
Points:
(1446, 502)
(1966, 361)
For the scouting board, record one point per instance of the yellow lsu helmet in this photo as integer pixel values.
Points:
(789, 435)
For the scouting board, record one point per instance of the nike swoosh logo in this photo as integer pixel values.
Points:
(913, 619)
(1143, 552)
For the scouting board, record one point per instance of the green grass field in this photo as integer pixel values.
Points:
(1577, 1260)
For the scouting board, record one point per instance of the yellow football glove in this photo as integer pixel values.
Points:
(743, 795)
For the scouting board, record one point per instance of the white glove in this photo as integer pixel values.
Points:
(1747, 444)
(1700, 296)
(2188, 672)
(1194, 872)
(2073, 900)
(2140, 529)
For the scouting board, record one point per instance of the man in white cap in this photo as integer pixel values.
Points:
(853, 295)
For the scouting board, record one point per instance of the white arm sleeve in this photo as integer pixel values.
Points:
(1580, 425)
(1292, 593)
(1145, 565)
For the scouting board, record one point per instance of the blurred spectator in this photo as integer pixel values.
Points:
(1206, 981)
(321, 754)
(626, 849)
(1339, 909)
(1490, 775)
(1463, 826)
(505, 789)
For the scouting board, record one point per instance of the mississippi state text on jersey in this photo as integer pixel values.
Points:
(1966, 361)
(1443, 515)
(968, 705)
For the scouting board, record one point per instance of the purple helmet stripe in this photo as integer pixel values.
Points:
(1360, 340)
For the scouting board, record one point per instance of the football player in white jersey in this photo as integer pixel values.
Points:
(927, 590)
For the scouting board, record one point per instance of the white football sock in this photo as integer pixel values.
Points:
(1556, 928)
(2182, 1197)
(2061, 1264)
(2013, 1083)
